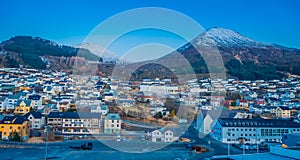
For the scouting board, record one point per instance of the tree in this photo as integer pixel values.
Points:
(14, 136)
(173, 113)
(158, 115)
(233, 103)
(72, 110)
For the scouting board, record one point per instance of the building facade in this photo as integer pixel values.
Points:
(14, 124)
(74, 123)
(112, 123)
(252, 131)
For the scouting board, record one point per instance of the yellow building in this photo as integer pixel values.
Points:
(14, 124)
(283, 112)
(23, 106)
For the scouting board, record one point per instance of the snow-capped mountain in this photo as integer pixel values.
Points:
(244, 58)
(226, 37)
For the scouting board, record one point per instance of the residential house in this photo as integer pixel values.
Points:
(102, 108)
(37, 100)
(207, 119)
(49, 108)
(12, 101)
(37, 120)
(157, 108)
(112, 123)
(14, 124)
(283, 112)
(23, 106)
(164, 135)
(3, 103)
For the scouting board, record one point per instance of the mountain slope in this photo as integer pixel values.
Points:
(243, 57)
(29, 51)
(97, 50)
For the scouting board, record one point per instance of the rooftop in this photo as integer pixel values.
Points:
(271, 123)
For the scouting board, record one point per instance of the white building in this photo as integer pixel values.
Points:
(37, 120)
(252, 131)
(82, 123)
(37, 101)
(207, 119)
(3, 103)
(159, 89)
(112, 123)
(164, 135)
(102, 108)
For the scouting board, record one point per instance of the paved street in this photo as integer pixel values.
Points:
(111, 149)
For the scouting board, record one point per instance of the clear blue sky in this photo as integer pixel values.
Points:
(68, 22)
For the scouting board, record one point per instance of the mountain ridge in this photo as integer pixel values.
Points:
(36, 52)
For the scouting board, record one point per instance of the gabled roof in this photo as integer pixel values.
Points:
(13, 120)
(14, 96)
(214, 114)
(34, 97)
(2, 98)
(112, 116)
(284, 108)
(27, 102)
(74, 115)
(36, 115)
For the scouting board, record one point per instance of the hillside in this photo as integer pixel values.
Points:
(243, 57)
(36, 52)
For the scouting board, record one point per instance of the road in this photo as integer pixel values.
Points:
(111, 149)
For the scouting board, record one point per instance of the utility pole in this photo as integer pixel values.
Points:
(46, 147)
(229, 133)
(257, 148)
(244, 139)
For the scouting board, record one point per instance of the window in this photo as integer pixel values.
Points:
(10, 127)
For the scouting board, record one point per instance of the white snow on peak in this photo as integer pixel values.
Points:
(225, 37)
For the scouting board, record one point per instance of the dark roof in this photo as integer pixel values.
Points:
(34, 114)
(285, 108)
(74, 115)
(214, 114)
(113, 116)
(14, 96)
(13, 120)
(27, 102)
(34, 97)
(2, 98)
(268, 123)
